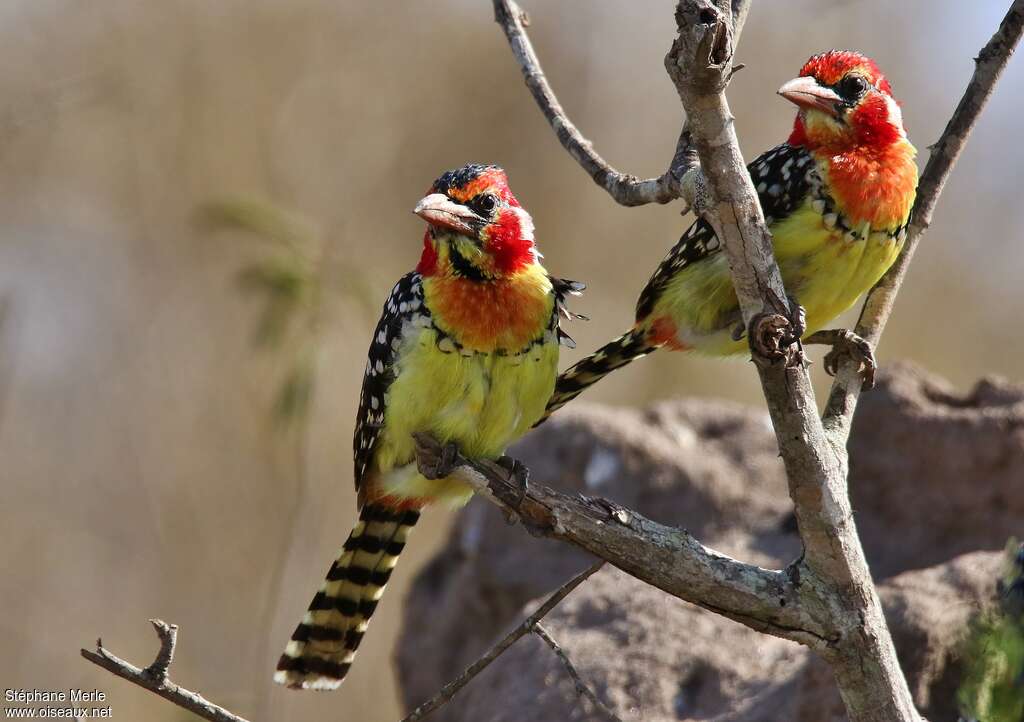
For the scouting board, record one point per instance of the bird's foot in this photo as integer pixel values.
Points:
(774, 336)
(434, 459)
(518, 474)
(846, 343)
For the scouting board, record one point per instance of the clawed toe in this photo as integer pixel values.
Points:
(846, 343)
(436, 464)
(519, 474)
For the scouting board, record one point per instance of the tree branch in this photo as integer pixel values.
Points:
(625, 189)
(837, 586)
(670, 559)
(989, 66)
(581, 689)
(523, 628)
(155, 679)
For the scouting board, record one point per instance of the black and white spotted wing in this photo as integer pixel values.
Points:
(404, 305)
(782, 177)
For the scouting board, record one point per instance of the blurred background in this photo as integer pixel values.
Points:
(203, 206)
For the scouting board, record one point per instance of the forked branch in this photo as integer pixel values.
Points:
(155, 676)
(624, 188)
(528, 625)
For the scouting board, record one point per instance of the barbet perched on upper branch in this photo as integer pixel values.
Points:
(466, 350)
(836, 196)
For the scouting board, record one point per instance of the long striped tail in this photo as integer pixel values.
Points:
(323, 646)
(613, 355)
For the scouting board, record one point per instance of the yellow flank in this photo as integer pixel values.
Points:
(824, 271)
(481, 401)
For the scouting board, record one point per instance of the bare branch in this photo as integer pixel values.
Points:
(154, 677)
(625, 189)
(835, 580)
(667, 558)
(581, 689)
(989, 66)
(524, 627)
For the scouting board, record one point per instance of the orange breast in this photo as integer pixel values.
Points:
(876, 187)
(505, 314)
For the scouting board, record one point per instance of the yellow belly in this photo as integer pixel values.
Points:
(826, 274)
(480, 401)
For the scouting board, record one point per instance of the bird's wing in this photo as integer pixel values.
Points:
(404, 306)
(781, 177)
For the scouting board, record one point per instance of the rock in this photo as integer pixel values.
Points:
(933, 474)
(646, 655)
(710, 467)
(928, 612)
(649, 656)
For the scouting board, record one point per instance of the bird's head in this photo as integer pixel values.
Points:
(845, 103)
(476, 227)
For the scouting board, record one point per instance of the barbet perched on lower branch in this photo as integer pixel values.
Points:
(836, 196)
(467, 351)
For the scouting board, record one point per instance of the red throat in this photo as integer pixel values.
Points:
(506, 244)
(428, 259)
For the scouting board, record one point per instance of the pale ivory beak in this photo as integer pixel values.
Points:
(807, 93)
(441, 211)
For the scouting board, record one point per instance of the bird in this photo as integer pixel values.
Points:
(466, 350)
(837, 198)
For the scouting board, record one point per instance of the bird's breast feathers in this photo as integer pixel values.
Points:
(837, 223)
(482, 401)
(474, 365)
(503, 315)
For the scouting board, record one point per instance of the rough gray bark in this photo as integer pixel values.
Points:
(668, 558)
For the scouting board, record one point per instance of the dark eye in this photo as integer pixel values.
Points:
(483, 204)
(852, 87)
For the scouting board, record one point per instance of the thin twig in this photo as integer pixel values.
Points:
(581, 689)
(168, 634)
(155, 679)
(677, 182)
(989, 66)
(525, 627)
(625, 189)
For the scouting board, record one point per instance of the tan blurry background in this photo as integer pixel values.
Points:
(141, 473)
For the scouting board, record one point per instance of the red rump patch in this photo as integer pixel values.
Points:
(665, 333)
(506, 244)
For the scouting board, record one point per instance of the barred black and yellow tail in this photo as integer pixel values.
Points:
(613, 355)
(323, 646)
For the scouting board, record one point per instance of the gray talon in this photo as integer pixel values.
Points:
(846, 343)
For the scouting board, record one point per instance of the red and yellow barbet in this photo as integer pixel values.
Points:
(466, 350)
(836, 196)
